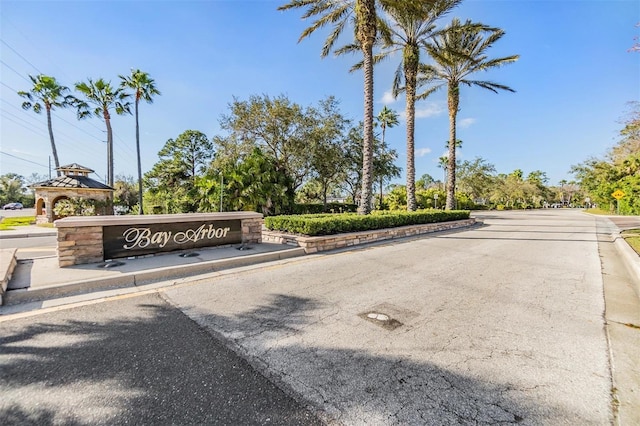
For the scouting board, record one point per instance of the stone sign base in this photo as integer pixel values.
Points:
(91, 239)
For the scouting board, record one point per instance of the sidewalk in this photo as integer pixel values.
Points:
(28, 231)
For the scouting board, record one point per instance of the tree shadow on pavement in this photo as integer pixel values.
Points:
(135, 361)
(362, 387)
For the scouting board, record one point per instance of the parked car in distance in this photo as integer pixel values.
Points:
(12, 206)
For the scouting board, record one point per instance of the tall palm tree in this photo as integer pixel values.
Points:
(387, 118)
(459, 52)
(46, 91)
(443, 163)
(143, 88)
(411, 25)
(362, 13)
(100, 99)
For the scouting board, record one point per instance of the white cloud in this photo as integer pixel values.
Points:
(430, 109)
(387, 98)
(466, 122)
(421, 152)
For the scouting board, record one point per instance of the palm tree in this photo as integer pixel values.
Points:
(101, 97)
(144, 88)
(411, 26)
(387, 118)
(46, 91)
(459, 52)
(443, 163)
(363, 15)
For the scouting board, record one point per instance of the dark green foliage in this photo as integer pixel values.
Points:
(316, 208)
(257, 184)
(329, 224)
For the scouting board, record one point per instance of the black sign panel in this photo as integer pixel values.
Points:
(136, 240)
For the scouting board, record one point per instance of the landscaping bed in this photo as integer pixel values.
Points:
(331, 224)
(632, 237)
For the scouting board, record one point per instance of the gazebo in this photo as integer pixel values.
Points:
(73, 183)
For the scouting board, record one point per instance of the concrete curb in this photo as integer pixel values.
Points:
(28, 235)
(43, 234)
(630, 258)
(133, 279)
(8, 264)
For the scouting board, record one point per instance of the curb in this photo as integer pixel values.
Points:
(630, 258)
(8, 264)
(133, 279)
(37, 234)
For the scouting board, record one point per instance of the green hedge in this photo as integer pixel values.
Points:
(316, 208)
(329, 224)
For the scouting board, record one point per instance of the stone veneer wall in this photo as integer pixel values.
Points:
(330, 242)
(78, 245)
(80, 238)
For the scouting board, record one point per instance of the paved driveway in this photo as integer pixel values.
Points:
(503, 323)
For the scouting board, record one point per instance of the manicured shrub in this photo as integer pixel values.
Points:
(317, 208)
(329, 224)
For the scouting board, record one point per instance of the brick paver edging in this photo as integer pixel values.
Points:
(330, 242)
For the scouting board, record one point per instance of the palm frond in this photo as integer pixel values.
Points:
(340, 13)
(331, 39)
(398, 79)
(495, 63)
(489, 85)
(424, 95)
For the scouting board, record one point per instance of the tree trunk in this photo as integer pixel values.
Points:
(411, 59)
(140, 210)
(54, 151)
(324, 196)
(453, 102)
(384, 128)
(366, 34)
(107, 120)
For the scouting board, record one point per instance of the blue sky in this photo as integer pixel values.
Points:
(573, 80)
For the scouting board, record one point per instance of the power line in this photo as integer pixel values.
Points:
(23, 58)
(24, 159)
(28, 128)
(18, 118)
(8, 87)
(79, 128)
(38, 48)
(18, 73)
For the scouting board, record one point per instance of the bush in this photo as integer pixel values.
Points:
(80, 207)
(329, 224)
(317, 208)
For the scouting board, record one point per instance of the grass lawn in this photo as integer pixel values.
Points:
(632, 237)
(8, 223)
(599, 212)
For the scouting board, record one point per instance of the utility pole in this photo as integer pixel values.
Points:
(221, 189)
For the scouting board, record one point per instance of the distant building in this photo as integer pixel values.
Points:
(74, 183)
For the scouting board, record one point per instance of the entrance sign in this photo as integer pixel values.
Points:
(140, 239)
(93, 239)
(617, 194)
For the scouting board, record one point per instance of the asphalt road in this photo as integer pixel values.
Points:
(503, 323)
(32, 247)
(18, 213)
(131, 361)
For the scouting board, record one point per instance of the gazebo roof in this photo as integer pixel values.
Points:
(75, 167)
(71, 182)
